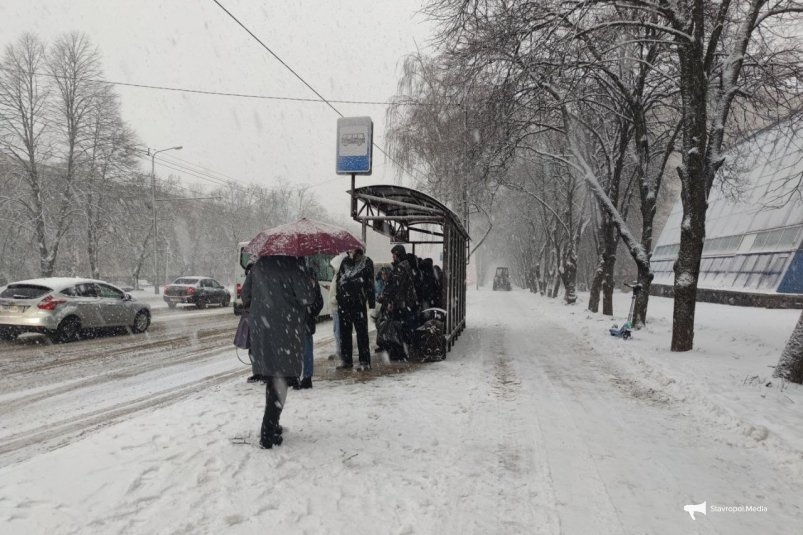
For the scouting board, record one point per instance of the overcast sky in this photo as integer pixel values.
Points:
(346, 49)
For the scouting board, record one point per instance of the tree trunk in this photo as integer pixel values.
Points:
(610, 241)
(143, 252)
(648, 191)
(569, 277)
(603, 275)
(596, 286)
(790, 367)
(91, 241)
(555, 286)
(643, 298)
(608, 284)
(693, 192)
(687, 267)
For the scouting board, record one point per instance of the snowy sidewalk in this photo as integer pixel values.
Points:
(726, 380)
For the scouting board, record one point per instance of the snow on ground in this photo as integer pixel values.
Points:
(537, 422)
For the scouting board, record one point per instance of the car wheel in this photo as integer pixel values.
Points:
(225, 301)
(141, 321)
(7, 334)
(171, 305)
(68, 330)
(201, 304)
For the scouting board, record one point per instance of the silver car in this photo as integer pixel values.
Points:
(65, 308)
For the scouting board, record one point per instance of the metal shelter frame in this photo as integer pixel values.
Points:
(409, 216)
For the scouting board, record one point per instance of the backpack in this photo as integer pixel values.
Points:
(350, 285)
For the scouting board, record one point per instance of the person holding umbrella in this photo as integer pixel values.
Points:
(277, 294)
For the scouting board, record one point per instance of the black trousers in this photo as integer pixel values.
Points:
(359, 319)
(275, 396)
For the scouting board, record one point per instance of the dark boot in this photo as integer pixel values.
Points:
(270, 434)
(270, 437)
(306, 382)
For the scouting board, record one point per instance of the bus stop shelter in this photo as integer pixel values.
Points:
(408, 216)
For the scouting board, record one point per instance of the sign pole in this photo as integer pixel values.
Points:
(353, 197)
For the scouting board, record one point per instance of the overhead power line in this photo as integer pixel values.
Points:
(222, 93)
(320, 96)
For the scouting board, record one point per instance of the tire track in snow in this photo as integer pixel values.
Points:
(498, 443)
(53, 435)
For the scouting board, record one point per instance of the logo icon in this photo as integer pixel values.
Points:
(691, 509)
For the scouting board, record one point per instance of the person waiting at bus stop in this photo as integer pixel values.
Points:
(401, 300)
(355, 290)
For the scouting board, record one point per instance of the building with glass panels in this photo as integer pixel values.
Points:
(754, 227)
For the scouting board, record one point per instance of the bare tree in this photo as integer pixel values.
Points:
(23, 132)
(74, 65)
(724, 54)
(109, 151)
(445, 134)
(717, 55)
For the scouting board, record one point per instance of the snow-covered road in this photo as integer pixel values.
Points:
(525, 428)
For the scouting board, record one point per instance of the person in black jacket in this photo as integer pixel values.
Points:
(355, 290)
(430, 287)
(402, 301)
(312, 312)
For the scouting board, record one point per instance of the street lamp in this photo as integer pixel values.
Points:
(153, 211)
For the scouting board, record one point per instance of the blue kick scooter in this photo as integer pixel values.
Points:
(626, 329)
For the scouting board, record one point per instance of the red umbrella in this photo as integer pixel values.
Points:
(305, 237)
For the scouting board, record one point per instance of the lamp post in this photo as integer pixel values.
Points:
(153, 212)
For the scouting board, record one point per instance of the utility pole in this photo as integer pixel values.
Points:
(153, 213)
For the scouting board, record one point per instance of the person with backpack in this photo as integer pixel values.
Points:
(402, 301)
(355, 291)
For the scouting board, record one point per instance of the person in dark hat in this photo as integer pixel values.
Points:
(355, 291)
(401, 300)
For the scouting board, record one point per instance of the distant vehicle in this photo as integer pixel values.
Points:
(196, 290)
(66, 308)
(320, 263)
(502, 279)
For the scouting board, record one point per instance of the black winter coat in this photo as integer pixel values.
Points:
(400, 291)
(314, 309)
(278, 291)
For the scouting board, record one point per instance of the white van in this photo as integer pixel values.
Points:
(319, 262)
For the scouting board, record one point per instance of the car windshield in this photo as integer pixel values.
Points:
(185, 281)
(25, 291)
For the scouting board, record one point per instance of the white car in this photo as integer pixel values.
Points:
(66, 308)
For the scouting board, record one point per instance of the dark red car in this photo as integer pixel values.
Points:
(198, 291)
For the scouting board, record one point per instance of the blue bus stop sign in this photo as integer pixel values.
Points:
(354, 145)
